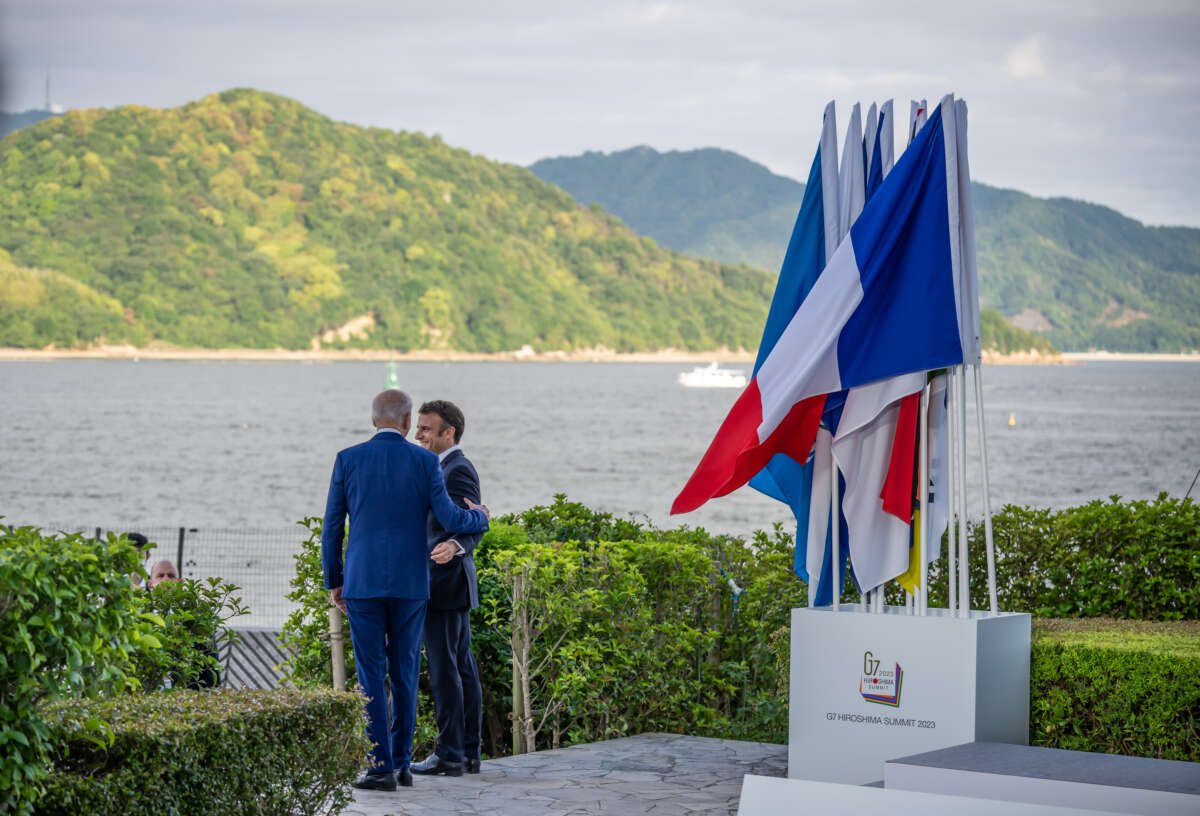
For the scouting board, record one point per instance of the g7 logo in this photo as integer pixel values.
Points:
(869, 666)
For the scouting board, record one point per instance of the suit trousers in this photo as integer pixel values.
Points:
(454, 683)
(386, 633)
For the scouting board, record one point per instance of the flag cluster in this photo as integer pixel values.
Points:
(877, 293)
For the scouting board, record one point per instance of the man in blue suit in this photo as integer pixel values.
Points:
(387, 485)
(453, 593)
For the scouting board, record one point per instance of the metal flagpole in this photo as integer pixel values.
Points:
(835, 531)
(812, 581)
(921, 598)
(987, 497)
(964, 561)
(951, 496)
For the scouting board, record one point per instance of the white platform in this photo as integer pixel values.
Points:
(866, 688)
(769, 796)
(1048, 776)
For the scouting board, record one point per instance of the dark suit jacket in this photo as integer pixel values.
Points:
(388, 485)
(454, 585)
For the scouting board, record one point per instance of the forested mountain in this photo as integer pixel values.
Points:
(709, 202)
(247, 220)
(1081, 275)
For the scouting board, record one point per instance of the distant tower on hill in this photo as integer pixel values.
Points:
(50, 106)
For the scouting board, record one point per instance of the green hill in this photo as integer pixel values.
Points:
(709, 202)
(247, 220)
(1081, 275)
(998, 334)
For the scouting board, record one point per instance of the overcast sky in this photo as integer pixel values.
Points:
(1092, 100)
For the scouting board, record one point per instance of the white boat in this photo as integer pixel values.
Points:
(710, 376)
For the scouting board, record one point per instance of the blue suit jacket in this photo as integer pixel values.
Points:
(388, 485)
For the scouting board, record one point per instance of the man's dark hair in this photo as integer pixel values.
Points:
(451, 415)
(138, 540)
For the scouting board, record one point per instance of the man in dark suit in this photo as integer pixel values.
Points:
(453, 593)
(388, 486)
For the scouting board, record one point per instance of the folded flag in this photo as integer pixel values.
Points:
(938, 480)
(877, 430)
(880, 152)
(884, 305)
(814, 237)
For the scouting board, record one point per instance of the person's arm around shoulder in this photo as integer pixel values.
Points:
(333, 533)
(472, 520)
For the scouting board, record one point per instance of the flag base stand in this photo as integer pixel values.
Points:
(867, 688)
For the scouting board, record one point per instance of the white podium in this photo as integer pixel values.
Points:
(869, 687)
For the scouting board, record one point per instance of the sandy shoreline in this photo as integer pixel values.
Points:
(600, 355)
(1128, 357)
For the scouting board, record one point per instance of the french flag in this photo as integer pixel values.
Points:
(886, 304)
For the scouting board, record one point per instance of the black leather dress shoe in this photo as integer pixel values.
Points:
(376, 781)
(404, 778)
(434, 764)
(472, 764)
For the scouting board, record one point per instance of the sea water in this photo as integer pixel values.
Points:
(119, 443)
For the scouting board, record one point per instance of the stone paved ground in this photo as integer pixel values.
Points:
(659, 774)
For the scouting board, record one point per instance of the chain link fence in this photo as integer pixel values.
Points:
(258, 560)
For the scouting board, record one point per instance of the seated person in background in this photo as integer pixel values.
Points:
(162, 570)
(143, 547)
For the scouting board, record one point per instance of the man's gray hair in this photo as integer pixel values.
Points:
(392, 406)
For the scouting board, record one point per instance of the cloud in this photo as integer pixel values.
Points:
(1024, 60)
(1053, 88)
(660, 12)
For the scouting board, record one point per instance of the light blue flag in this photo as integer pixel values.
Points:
(814, 237)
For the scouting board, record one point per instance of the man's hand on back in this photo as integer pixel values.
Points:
(473, 506)
(444, 551)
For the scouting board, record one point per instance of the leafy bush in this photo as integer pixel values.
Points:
(631, 628)
(69, 626)
(1136, 559)
(1117, 687)
(288, 751)
(306, 630)
(194, 630)
(621, 628)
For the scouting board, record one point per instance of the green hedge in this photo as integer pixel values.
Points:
(1116, 687)
(1104, 559)
(287, 751)
(69, 626)
(629, 628)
